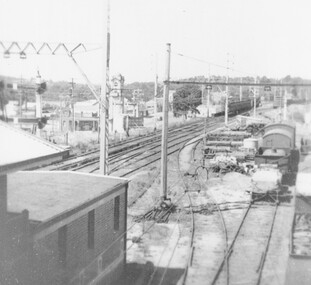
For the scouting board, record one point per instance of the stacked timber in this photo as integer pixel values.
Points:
(228, 143)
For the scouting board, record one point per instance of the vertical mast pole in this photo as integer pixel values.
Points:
(241, 90)
(227, 93)
(155, 100)
(165, 125)
(227, 101)
(104, 95)
(255, 98)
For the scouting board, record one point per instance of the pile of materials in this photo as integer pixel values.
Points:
(230, 151)
(253, 128)
(224, 164)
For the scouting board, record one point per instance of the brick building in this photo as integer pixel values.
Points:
(59, 227)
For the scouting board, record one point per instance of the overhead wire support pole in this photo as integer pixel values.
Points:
(285, 105)
(255, 101)
(163, 194)
(155, 100)
(73, 106)
(155, 91)
(104, 96)
(227, 95)
(241, 90)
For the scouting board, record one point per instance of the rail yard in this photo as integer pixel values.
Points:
(235, 211)
(230, 215)
(220, 229)
(155, 142)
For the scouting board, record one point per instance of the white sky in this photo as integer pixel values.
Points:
(266, 37)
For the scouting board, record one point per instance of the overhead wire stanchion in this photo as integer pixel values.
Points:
(104, 97)
(155, 100)
(241, 90)
(227, 101)
(255, 101)
(163, 194)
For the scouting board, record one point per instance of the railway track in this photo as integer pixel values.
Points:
(116, 151)
(244, 251)
(246, 256)
(134, 156)
(125, 162)
(201, 227)
(216, 232)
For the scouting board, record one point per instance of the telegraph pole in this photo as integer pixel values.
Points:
(227, 99)
(73, 107)
(155, 100)
(202, 93)
(255, 99)
(104, 96)
(241, 90)
(285, 106)
(227, 92)
(208, 99)
(165, 125)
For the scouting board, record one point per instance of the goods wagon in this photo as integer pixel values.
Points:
(278, 147)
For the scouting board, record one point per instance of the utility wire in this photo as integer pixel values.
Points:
(214, 64)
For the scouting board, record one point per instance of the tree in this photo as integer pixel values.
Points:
(187, 98)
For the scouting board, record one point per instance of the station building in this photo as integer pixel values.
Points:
(57, 227)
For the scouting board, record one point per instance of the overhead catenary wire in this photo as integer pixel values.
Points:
(214, 64)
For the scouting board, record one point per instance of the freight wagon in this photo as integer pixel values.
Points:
(278, 147)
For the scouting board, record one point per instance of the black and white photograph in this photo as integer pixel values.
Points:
(155, 142)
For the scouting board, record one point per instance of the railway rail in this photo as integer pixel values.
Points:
(194, 179)
(247, 262)
(116, 150)
(243, 260)
(127, 158)
(233, 263)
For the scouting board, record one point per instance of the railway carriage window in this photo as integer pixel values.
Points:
(116, 221)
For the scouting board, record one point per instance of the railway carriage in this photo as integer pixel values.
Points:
(234, 107)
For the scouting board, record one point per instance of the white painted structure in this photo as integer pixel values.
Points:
(116, 104)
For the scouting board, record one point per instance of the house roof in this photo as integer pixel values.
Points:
(21, 150)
